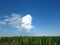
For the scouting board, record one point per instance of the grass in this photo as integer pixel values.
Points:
(55, 40)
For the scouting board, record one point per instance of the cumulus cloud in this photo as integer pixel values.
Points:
(27, 22)
(27, 19)
(16, 21)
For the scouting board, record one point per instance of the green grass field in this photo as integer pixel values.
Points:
(30, 40)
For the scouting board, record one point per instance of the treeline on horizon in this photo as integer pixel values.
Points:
(43, 40)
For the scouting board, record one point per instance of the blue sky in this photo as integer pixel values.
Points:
(45, 16)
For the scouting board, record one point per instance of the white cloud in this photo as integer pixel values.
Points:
(27, 22)
(2, 22)
(16, 21)
(6, 16)
(27, 26)
(27, 19)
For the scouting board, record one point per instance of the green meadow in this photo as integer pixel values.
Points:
(30, 40)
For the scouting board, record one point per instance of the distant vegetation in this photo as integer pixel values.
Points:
(30, 41)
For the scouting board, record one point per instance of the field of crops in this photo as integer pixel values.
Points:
(30, 40)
